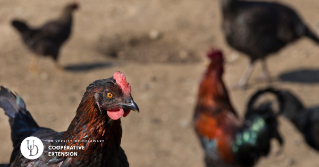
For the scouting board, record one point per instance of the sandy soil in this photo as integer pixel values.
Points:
(164, 73)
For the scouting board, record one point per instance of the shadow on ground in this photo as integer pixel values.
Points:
(141, 48)
(87, 66)
(301, 76)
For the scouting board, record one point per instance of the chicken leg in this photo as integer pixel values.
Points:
(265, 75)
(233, 56)
(243, 80)
(58, 67)
(33, 64)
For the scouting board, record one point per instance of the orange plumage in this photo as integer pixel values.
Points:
(218, 127)
(215, 117)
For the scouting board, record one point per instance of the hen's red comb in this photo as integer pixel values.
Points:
(214, 53)
(121, 81)
(76, 4)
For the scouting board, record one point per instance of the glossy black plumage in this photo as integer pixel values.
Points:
(259, 29)
(306, 120)
(90, 123)
(47, 39)
(248, 153)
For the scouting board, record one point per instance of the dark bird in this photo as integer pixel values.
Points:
(226, 140)
(259, 29)
(47, 39)
(306, 120)
(97, 118)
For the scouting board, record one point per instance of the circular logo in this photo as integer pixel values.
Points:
(31, 147)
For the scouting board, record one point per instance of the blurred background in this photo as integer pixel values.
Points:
(160, 46)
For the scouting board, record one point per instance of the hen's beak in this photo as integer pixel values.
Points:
(130, 106)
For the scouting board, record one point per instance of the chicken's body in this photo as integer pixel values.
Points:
(259, 29)
(47, 39)
(306, 120)
(226, 141)
(94, 120)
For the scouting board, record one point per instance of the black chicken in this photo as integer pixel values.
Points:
(259, 29)
(306, 120)
(97, 118)
(47, 39)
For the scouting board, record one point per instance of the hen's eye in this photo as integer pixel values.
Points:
(109, 95)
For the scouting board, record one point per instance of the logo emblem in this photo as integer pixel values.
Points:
(31, 147)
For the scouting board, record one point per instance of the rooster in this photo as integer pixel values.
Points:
(47, 39)
(97, 118)
(306, 120)
(259, 29)
(226, 141)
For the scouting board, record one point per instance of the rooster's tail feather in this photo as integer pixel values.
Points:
(254, 98)
(253, 139)
(266, 111)
(290, 106)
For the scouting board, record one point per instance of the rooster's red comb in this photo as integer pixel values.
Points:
(214, 53)
(121, 81)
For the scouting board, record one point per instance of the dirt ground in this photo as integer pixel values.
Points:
(160, 46)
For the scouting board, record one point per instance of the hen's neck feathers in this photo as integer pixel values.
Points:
(228, 8)
(66, 16)
(90, 124)
(227, 3)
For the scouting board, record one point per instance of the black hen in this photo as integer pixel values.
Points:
(259, 29)
(306, 120)
(97, 118)
(47, 39)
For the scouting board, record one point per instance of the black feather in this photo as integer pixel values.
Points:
(260, 126)
(47, 39)
(23, 125)
(306, 120)
(21, 26)
(21, 122)
(261, 28)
